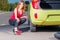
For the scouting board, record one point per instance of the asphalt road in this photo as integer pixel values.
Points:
(44, 33)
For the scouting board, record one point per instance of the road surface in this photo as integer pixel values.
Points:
(7, 34)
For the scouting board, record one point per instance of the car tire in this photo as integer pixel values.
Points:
(57, 35)
(32, 27)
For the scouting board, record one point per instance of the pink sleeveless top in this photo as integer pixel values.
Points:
(18, 15)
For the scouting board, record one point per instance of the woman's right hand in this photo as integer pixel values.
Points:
(17, 19)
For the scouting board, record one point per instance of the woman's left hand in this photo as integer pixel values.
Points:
(25, 17)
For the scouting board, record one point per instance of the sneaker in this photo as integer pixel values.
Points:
(18, 32)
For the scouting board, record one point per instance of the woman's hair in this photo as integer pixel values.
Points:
(24, 5)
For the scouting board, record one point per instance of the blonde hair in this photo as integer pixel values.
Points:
(24, 5)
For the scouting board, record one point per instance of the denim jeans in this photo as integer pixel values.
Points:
(15, 24)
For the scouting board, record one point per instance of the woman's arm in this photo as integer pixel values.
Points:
(24, 16)
(15, 11)
(23, 10)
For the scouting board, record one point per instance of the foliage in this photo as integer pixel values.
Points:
(7, 7)
(11, 6)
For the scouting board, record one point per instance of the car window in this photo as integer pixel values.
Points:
(50, 4)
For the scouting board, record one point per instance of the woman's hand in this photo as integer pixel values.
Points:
(17, 19)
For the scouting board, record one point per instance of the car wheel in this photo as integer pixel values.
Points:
(32, 27)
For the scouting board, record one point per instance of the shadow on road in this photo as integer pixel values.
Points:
(48, 29)
(8, 29)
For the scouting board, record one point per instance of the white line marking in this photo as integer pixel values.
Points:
(4, 13)
(2, 24)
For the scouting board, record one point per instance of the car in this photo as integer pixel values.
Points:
(57, 35)
(44, 12)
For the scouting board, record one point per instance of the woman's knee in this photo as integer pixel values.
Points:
(12, 22)
(23, 20)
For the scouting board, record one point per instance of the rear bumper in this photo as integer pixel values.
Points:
(51, 23)
(46, 23)
(37, 22)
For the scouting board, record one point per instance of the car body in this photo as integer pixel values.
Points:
(47, 14)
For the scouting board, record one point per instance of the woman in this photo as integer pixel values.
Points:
(17, 17)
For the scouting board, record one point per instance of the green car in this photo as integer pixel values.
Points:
(48, 13)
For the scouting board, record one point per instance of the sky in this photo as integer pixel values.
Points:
(13, 1)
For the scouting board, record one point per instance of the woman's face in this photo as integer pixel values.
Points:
(21, 5)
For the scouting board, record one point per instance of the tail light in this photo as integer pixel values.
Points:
(36, 15)
(35, 5)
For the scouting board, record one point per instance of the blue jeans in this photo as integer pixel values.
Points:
(15, 24)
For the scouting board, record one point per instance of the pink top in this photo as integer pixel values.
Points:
(18, 15)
